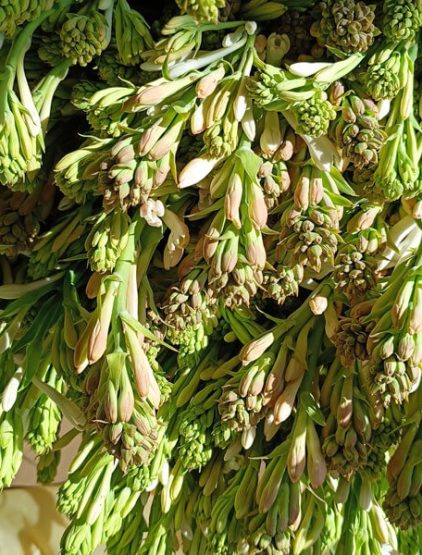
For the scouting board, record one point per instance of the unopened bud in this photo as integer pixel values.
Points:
(318, 304)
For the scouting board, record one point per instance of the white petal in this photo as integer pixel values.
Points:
(306, 69)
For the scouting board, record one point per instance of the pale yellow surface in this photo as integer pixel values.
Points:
(29, 522)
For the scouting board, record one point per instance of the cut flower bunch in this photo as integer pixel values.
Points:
(211, 265)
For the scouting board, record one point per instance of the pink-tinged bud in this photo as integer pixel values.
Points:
(248, 122)
(197, 120)
(257, 208)
(345, 407)
(270, 429)
(110, 403)
(177, 240)
(400, 308)
(271, 137)
(287, 147)
(93, 285)
(317, 468)
(97, 344)
(331, 320)
(126, 400)
(284, 405)
(140, 365)
(316, 190)
(363, 220)
(155, 92)
(256, 348)
(301, 193)
(295, 511)
(164, 145)
(80, 354)
(240, 104)
(294, 370)
(296, 460)
(255, 250)
(318, 304)
(406, 347)
(233, 199)
(415, 320)
(230, 255)
(196, 170)
(207, 85)
(151, 135)
(162, 171)
(261, 45)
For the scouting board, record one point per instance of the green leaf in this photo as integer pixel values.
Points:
(138, 327)
(69, 409)
(340, 181)
(41, 323)
(312, 409)
(250, 161)
(209, 210)
(338, 200)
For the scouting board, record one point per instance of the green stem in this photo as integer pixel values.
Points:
(122, 271)
(47, 88)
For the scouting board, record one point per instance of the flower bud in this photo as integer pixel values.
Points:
(318, 304)
(207, 85)
(233, 199)
(271, 136)
(257, 208)
(196, 170)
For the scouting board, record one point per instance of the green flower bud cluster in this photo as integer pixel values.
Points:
(409, 540)
(11, 446)
(393, 341)
(347, 433)
(114, 73)
(45, 417)
(267, 85)
(240, 414)
(382, 80)
(358, 131)
(205, 10)
(350, 339)
(20, 145)
(49, 49)
(132, 34)
(16, 12)
(20, 219)
(195, 449)
(132, 442)
(402, 19)
(314, 115)
(346, 24)
(190, 314)
(76, 173)
(308, 238)
(129, 536)
(47, 465)
(63, 240)
(403, 502)
(282, 283)
(83, 37)
(104, 111)
(354, 273)
(384, 441)
(106, 240)
(398, 171)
